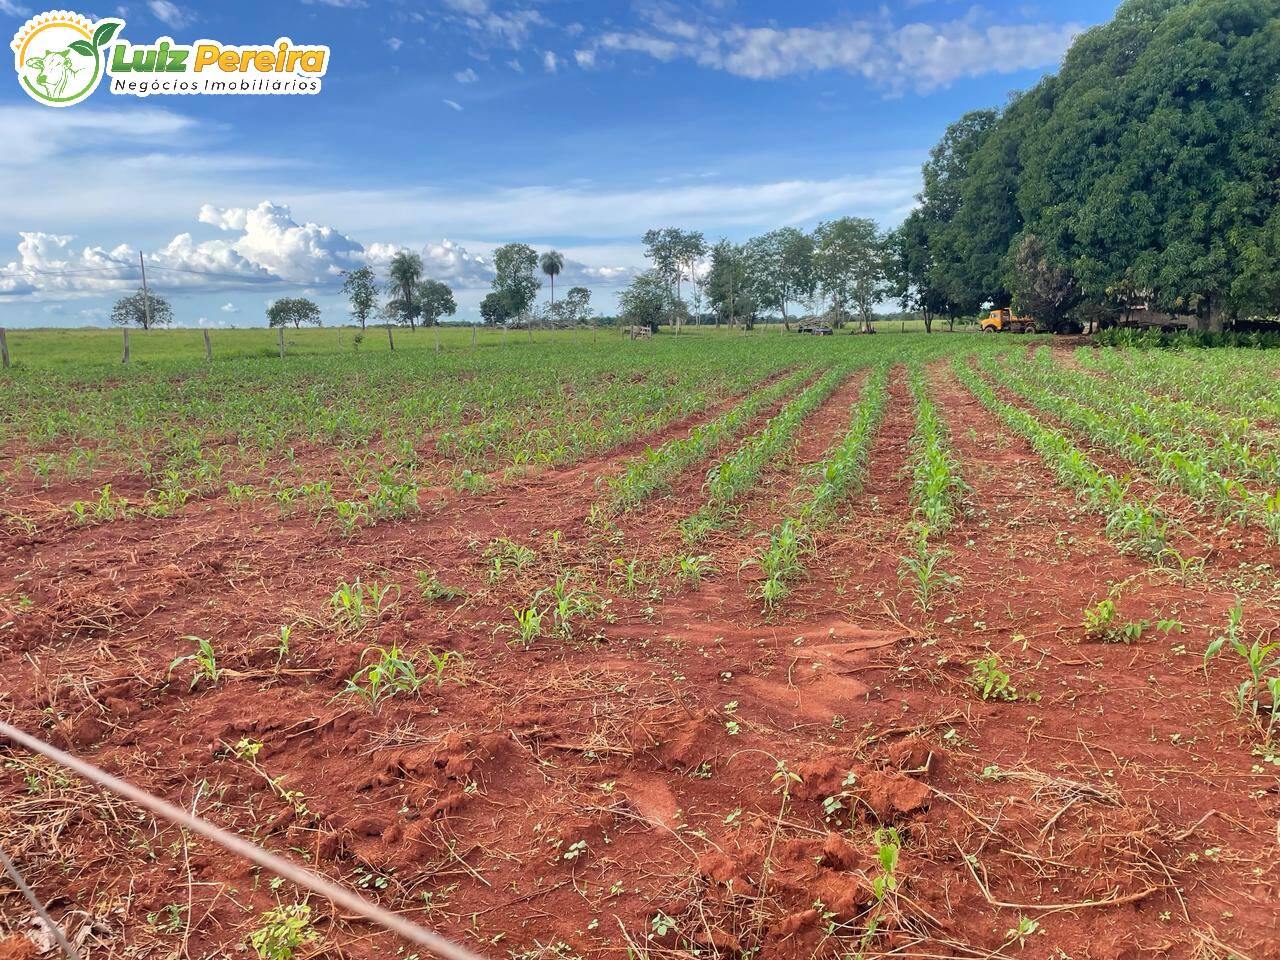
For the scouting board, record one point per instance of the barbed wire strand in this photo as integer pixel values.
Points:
(346, 899)
(12, 869)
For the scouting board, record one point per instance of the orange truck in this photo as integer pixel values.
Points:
(1005, 319)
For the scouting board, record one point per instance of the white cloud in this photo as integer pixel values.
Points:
(34, 134)
(586, 59)
(489, 28)
(170, 13)
(516, 65)
(9, 8)
(452, 105)
(229, 307)
(919, 56)
(395, 43)
(273, 241)
(268, 247)
(550, 62)
(466, 76)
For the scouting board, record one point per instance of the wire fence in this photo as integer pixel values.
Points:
(339, 896)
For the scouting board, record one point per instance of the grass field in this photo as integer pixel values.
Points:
(79, 348)
(721, 645)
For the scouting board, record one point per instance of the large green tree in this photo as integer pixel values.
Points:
(552, 262)
(142, 309)
(674, 254)
(729, 285)
(514, 281)
(361, 288)
(782, 261)
(646, 301)
(851, 262)
(293, 310)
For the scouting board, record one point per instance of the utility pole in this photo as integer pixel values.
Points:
(146, 296)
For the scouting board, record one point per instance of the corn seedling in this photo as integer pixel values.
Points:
(505, 556)
(689, 569)
(1261, 664)
(356, 604)
(205, 661)
(568, 604)
(528, 623)
(392, 672)
(922, 570)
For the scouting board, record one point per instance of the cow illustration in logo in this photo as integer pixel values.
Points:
(58, 56)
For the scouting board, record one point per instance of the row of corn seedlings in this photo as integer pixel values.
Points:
(1136, 527)
(1166, 452)
(815, 501)
(738, 472)
(1232, 445)
(936, 491)
(654, 469)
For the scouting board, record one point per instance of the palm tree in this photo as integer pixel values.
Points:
(405, 273)
(552, 263)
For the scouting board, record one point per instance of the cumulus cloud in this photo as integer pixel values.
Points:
(920, 56)
(265, 246)
(229, 308)
(274, 241)
(466, 76)
(550, 62)
(395, 43)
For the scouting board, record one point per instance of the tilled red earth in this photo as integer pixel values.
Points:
(679, 776)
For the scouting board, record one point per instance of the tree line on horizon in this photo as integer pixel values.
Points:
(1144, 175)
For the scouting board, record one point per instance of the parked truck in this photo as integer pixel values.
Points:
(1004, 319)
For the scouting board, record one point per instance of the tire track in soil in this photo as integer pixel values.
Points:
(1020, 553)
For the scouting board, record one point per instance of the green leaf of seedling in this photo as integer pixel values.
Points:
(102, 36)
(82, 47)
(1212, 650)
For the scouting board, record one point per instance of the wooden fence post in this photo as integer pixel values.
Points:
(125, 358)
(473, 335)
(208, 346)
(390, 339)
(4, 349)
(280, 332)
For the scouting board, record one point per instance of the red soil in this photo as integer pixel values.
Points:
(680, 773)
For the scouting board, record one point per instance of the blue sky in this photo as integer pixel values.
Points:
(454, 126)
